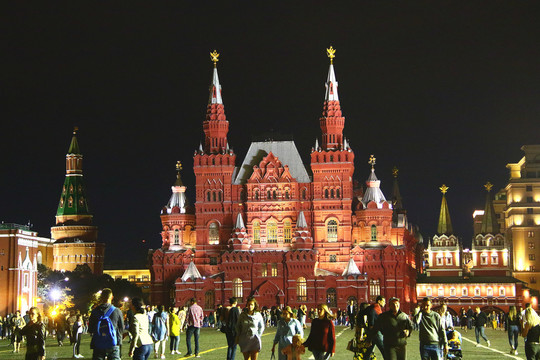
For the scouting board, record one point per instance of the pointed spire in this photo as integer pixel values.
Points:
(301, 222)
(331, 121)
(316, 144)
(240, 222)
(490, 225)
(74, 146)
(178, 197)
(239, 239)
(302, 239)
(351, 269)
(216, 125)
(396, 195)
(445, 222)
(191, 273)
(373, 191)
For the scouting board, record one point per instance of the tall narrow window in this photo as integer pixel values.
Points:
(256, 232)
(338, 194)
(213, 234)
(271, 229)
(374, 289)
(287, 196)
(274, 270)
(256, 194)
(238, 289)
(176, 237)
(326, 193)
(268, 194)
(219, 195)
(301, 289)
(331, 297)
(213, 196)
(332, 231)
(304, 194)
(264, 269)
(332, 193)
(208, 196)
(373, 233)
(287, 231)
(274, 195)
(209, 299)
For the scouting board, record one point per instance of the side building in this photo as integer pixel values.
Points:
(272, 228)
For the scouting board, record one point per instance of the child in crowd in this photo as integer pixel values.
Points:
(295, 350)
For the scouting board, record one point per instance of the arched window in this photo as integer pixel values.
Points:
(373, 233)
(428, 291)
(301, 289)
(332, 193)
(287, 194)
(440, 291)
(489, 291)
(338, 193)
(176, 237)
(268, 194)
(208, 196)
(304, 194)
(213, 196)
(287, 231)
(256, 232)
(374, 289)
(271, 229)
(464, 292)
(502, 291)
(238, 289)
(326, 193)
(331, 297)
(274, 194)
(213, 234)
(219, 195)
(40, 258)
(477, 291)
(452, 291)
(331, 231)
(256, 194)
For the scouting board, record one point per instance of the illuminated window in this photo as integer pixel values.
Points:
(213, 234)
(331, 231)
(287, 196)
(476, 291)
(532, 257)
(257, 194)
(331, 297)
(530, 234)
(81, 201)
(439, 260)
(502, 292)
(287, 231)
(494, 259)
(532, 268)
(39, 257)
(483, 259)
(449, 260)
(373, 233)
(374, 289)
(238, 289)
(132, 278)
(301, 289)
(464, 292)
(440, 291)
(25, 281)
(452, 291)
(70, 202)
(176, 237)
(489, 291)
(256, 232)
(428, 291)
(264, 270)
(271, 228)
(274, 270)
(145, 278)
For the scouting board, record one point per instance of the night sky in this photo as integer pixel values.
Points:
(446, 91)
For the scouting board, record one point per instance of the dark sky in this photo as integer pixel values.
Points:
(447, 91)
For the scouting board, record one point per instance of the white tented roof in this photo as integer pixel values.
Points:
(286, 152)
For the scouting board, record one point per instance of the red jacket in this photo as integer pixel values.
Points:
(322, 336)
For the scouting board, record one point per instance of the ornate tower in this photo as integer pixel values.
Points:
(333, 168)
(178, 218)
(213, 167)
(444, 251)
(75, 236)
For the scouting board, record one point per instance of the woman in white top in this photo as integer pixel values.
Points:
(249, 329)
(141, 342)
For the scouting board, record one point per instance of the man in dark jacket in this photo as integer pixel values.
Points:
(372, 313)
(230, 327)
(395, 327)
(117, 320)
(480, 321)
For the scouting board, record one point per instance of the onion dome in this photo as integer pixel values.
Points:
(178, 203)
(373, 192)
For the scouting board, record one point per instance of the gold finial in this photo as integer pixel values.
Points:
(444, 188)
(331, 54)
(75, 129)
(488, 186)
(372, 161)
(178, 166)
(214, 55)
(395, 171)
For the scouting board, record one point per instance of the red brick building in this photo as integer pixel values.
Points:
(273, 228)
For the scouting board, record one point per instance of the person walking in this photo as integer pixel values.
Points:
(351, 313)
(322, 337)
(160, 332)
(194, 323)
(140, 347)
(372, 313)
(480, 321)
(77, 332)
(287, 327)
(34, 332)
(531, 333)
(432, 334)
(395, 327)
(116, 318)
(229, 319)
(249, 329)
(361, 334)
(17, 323)
(512, 326)
(174, 330)
(301, 315)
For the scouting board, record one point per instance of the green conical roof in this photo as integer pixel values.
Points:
(445, 222)
(73, 198)
(490, 225)
(74, 146)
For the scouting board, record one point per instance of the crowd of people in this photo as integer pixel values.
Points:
(149, 328)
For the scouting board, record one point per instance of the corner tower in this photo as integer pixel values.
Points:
(74, 235)
(213, 166)
(333, 167)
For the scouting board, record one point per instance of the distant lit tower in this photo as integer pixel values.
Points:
(75, 236)
(332, 165)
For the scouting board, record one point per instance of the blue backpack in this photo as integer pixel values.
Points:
(105, 336)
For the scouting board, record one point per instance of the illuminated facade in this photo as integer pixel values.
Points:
(75, 238)
(481, 276)
(21, 250)
(272, 228)
(522, 215)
